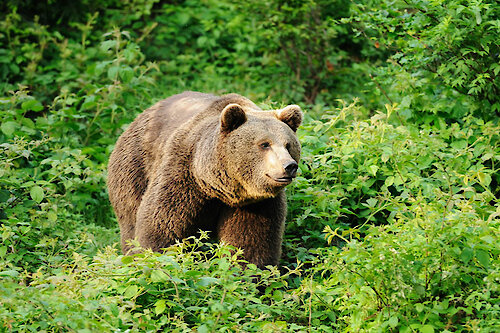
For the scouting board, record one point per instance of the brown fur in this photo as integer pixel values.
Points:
(198, 161)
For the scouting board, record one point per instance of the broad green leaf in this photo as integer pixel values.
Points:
(126, 74)
(204, 329)
(52, 216)
(32, 105)
(487, 156)
(206, 281)
(160, 306)
(393, 321)
(483, 257)
(127, 259)
(373, 169)
(107, 44)
(9, 127)
(113, 72)
(427, 329)
(489, 239)
(131, 291)
(89, 105)
(158, 276)
(4, 195)
(9, 272)
(477, 13)
(466, 255)
(459, 144)
(371, 202)
(389, 181)
(37, 193)
(484, 178)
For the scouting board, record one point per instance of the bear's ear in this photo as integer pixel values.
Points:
(291, 115)
(232, 117)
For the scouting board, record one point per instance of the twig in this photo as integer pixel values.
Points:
(388, 98)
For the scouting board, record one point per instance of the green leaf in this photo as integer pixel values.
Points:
(131, 291)
(127, 259)
(483, 257)
(158, 276)
(107, 44)
(201, 41)
(393, 321)
(9, 127)
(488, 239)
(373, 169)
(10, 272)
(126, 74)
(487, 156)
(484, 178)
(183, 18)
(160, 306)
(427, 329)
(419, 307)
(371, 202)
(32, 105)
(4, 195)
(466, 255)
(459, 144)
(206, 281)
(113, 72)
(477, 13)
(203, 329)
(52, 216)
(36, 193)
(389, 181)
(89, 105)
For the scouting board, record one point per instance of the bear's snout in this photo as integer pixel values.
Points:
(291, 168)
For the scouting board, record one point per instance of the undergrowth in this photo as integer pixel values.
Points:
(393, 221)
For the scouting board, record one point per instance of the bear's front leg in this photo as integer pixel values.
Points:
(171, 209)
(256, 228)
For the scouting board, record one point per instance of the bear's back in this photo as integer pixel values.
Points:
(140, 149)
(163, 118)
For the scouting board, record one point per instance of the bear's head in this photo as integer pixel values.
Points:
(258, 152)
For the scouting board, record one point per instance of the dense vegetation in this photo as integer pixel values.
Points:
(393, 222)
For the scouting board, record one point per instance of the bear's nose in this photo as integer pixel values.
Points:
(291, 168)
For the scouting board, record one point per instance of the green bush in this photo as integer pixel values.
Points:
(393, 221)
(359, 172)
(445, 55)
(181, 289)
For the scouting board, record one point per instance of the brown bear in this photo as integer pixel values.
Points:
(198, 161)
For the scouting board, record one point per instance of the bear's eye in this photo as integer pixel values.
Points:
(287, 146)
(265, 145)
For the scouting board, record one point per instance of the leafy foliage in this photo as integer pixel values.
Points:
(306, 35)
(368, 169)
(393, 221)
(172, 291)
(446, 54)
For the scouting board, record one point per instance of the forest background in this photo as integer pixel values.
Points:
(393, 221)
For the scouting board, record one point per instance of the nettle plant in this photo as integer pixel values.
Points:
(445, 53)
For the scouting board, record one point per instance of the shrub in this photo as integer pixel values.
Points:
(358, 172)
(445, 55)
(178, 290)
(393, 220)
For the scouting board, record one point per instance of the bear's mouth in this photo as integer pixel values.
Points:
(281, 180)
